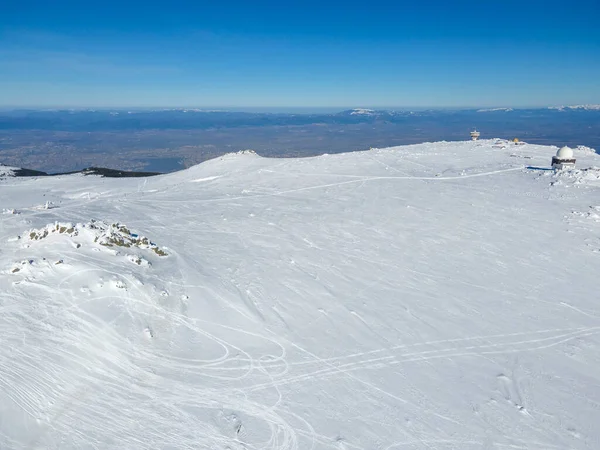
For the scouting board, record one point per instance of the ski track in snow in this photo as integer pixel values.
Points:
(98, 352)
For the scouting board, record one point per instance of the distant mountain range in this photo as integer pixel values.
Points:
(577, 107)
(120, 120)
(164, 140)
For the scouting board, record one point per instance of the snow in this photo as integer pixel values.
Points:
(362, 112)
(577, 107)
(584, 150)
(495, 110)
(587, 176)
(201, 180)
(564, 153)
(437, 296)
(7, 171)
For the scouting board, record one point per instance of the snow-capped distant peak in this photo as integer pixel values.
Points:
(362, 111)
(577, 107)
(494, 109)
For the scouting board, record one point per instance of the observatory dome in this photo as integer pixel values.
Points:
(565, 153)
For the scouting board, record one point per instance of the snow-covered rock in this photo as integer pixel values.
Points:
(7, 171)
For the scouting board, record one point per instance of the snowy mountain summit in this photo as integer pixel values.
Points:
(433, 296)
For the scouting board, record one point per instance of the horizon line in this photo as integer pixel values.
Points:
(240, 108)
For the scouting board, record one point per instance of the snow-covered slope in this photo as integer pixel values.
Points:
(435, 296)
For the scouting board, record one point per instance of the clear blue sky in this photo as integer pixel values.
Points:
(310, 53)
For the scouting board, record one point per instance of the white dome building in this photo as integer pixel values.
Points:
(565, 153)
(563, 159)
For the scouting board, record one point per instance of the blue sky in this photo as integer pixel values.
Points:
(307, 54)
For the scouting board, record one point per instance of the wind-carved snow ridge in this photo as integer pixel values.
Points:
(433, 296)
